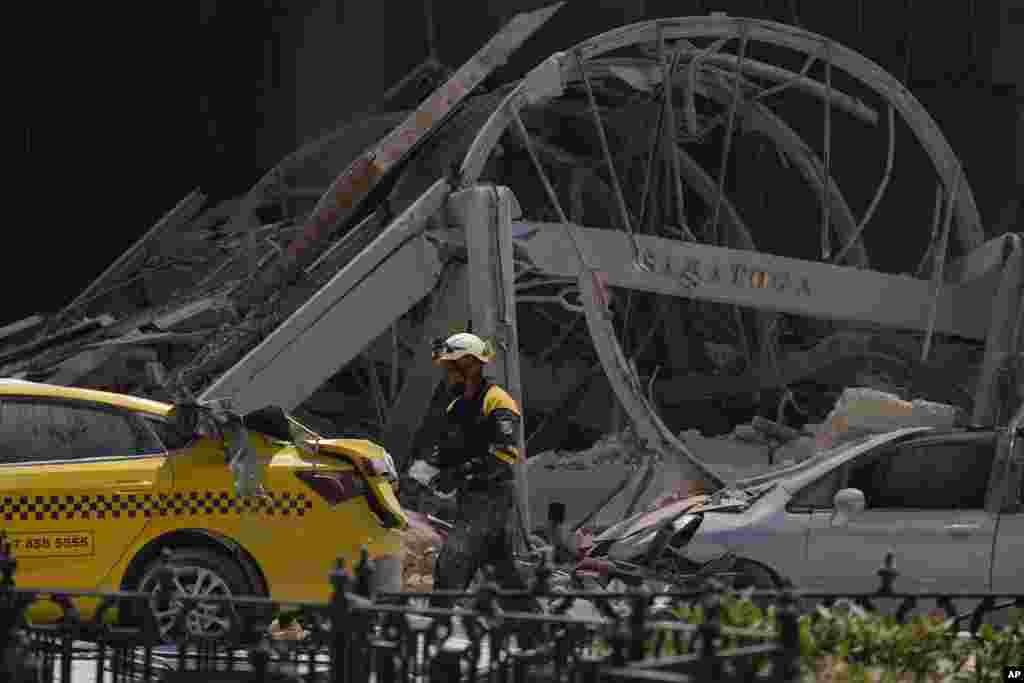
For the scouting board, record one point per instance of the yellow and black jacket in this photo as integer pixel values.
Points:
(482, 437)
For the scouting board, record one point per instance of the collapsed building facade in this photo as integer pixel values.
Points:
(590, 220)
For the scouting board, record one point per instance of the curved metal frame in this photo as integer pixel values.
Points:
(549, 80)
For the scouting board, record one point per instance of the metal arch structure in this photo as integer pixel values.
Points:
(403, 264)
(550, 80)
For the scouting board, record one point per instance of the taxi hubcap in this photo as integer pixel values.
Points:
(204, 619)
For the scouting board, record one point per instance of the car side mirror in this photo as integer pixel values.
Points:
(848, 503)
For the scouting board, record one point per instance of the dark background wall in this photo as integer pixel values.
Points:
(122, 115)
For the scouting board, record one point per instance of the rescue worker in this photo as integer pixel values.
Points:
(476, 455)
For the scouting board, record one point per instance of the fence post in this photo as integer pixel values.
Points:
(447, 664)
(365, 573)
(886, 575)
(619, 641)
(542, 577)
(259, 657)
(638, 627)
(340, 613)
(710, 630)
(16, 663)
(787, 660)
(8, 603)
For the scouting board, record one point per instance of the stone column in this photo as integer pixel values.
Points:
(486, 214)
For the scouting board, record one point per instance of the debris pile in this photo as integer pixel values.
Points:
(420, 545)
(211, 284)
(861, 410)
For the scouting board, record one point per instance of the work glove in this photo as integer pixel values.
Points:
(423, 472)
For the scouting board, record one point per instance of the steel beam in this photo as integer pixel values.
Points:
(349, 192)
(766, 282)
(382, 283)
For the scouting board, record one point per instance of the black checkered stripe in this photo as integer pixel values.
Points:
(178, 504)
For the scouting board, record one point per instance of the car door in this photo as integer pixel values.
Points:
(806, 508)
(925, 502)
(78, 483)
(1008, 560)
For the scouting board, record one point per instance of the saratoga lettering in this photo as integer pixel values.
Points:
(693, 272)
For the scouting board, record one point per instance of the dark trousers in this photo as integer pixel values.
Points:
(482, 536)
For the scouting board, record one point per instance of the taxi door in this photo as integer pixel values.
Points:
(79, 483)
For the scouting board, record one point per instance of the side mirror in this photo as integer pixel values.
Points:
(848, 503)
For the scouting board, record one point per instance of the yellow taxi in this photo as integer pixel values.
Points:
(96, 488)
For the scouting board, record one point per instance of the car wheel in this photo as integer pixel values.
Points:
(198, 573)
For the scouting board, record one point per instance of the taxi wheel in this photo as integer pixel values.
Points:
(198, 573)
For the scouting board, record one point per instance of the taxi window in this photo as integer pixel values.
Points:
(39, 431)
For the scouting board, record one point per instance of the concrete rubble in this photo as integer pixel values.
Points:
(180, 302)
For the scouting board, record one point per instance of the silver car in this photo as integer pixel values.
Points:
(948, 504)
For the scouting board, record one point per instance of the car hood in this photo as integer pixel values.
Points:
(726, 500)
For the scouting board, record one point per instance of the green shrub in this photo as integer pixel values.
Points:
(848, 644)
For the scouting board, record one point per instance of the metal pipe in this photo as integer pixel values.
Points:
(670, 119)
(691, 80)
(940, 263)
(616, 186)
(826, 205)
(728, 133)
(936, 219)
(791, 81)
(649, 166)
(880, 192)
(548, 188)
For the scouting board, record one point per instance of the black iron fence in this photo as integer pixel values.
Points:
(359, 637)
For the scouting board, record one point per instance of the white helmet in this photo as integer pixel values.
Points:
(459, 345)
